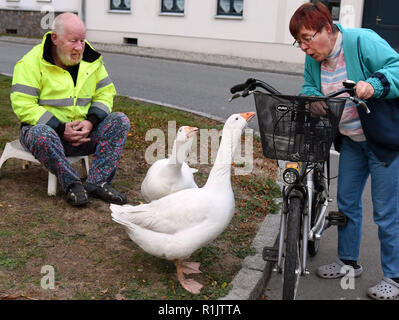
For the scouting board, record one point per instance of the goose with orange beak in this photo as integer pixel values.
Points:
(175, 226)
(172, 174)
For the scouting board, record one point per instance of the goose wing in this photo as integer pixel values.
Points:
(171, 214)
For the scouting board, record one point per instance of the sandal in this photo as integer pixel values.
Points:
(106, 193)
(77, 195)
(334, 270)
(387, 289)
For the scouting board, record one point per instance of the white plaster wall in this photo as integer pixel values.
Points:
(351, 13)
(262, 32)
(263, 20)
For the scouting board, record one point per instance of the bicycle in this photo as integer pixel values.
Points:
(299, 130)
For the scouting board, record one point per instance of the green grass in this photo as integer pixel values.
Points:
(92, 256)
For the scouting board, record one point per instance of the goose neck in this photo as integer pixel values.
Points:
(221, 169)
(178, 155)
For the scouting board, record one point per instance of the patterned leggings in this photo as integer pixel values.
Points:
(106, 144)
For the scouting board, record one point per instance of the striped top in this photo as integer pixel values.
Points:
(333, 73)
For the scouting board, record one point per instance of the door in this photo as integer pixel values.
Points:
(383, 17)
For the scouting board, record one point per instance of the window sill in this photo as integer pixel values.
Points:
(228, 17)
(120, 11)
(173, 14)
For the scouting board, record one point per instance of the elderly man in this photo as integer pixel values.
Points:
(62, 94)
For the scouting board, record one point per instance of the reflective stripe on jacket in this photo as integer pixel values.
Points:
(43, 93)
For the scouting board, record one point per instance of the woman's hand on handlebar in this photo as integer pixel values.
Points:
(318, 108)
(364, 90)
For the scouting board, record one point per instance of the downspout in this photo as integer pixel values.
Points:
(83, 11)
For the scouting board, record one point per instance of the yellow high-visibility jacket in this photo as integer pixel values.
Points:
(43, 93)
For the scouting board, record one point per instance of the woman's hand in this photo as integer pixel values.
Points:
(318, 109)
(364, 90)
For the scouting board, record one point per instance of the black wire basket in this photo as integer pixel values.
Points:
(297, 128)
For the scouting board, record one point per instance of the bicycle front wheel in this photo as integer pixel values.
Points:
(292, 266)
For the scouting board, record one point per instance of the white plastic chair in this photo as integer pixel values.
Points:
(15, 150)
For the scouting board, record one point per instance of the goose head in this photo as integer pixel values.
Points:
(231, 137)
(182, 145)
(238, 121)
(186, 133)
(234, 126)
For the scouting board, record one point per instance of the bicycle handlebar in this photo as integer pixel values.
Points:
(349, 88)
(242, 86)
(251, 84)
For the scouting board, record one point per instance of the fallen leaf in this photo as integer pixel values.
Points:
(103, 292)
(10, 297)
(15, 296)
(173, 286)
(27, 297)
(119, 297)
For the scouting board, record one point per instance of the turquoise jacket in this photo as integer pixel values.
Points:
(370, 58)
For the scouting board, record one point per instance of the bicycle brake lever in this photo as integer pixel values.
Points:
(361, 103)
(365, 107)
(243, 94)
(235, 96)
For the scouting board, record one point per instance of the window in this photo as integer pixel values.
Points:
(172, 6)
(230, 7)
(334, 7)
(120, 5)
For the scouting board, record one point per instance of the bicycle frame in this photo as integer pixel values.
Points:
(306, 192)
(305, 186)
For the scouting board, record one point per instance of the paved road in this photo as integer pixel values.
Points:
(197, 87)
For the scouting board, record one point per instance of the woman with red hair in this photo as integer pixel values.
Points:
(368, 143)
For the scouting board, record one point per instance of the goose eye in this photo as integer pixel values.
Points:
(237, 118)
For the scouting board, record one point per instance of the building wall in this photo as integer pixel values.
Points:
(351, 13)
(32, 18)
(262, 32)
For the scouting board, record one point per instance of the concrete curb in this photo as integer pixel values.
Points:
(251, 280)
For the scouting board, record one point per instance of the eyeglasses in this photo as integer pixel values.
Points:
(306, 41)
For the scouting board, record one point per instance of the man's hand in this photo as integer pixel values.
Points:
(85, 127)
(364, 90)
(77, 132)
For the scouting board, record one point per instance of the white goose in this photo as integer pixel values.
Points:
(169, 175)
(174, 226)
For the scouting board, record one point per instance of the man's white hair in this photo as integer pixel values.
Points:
(61, 20)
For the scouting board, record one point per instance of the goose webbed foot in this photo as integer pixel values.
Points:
(189, 284)
(190, 267)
